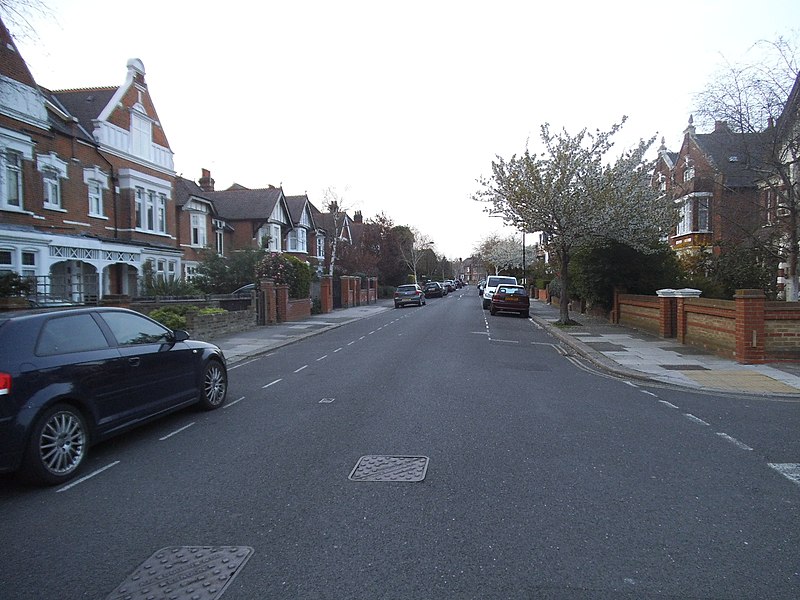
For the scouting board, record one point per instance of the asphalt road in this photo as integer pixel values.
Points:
(544, 479)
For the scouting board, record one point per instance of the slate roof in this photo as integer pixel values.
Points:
(240, 203)
(738, 156)
(296, 205)
(186, 189)
(85, 104)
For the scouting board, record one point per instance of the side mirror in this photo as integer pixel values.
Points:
(180, 335)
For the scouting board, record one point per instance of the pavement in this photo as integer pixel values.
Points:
(621, 351)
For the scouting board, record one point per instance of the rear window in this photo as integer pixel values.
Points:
(73, 333)
(495, 281)
(518, 291)
(407, 288)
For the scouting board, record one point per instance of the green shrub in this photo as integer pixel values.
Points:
(169, 317)
(11, 284)
(211, 311)
(285, 269)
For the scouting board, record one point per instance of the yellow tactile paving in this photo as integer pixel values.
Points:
(742, 381)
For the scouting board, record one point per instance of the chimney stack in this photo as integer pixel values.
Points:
(206, 183)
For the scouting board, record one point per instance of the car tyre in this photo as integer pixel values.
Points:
(214, 384)
(58, 445)
(492, 310)
(485, 305)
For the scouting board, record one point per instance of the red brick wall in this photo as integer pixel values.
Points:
(708, 324)
(639, 312)
(782, 330)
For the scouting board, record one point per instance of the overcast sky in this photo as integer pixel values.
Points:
(400, 106)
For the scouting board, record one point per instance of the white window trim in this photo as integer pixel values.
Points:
(48, 164)
(97, 177)
(197, 222)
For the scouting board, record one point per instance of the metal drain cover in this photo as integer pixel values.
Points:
(184, 573)
(390, 468)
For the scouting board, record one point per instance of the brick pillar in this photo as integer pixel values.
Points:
(345, 291)
(667, 317)
(282, 302)
(680, 320)
(265, 302)
(750, 326)
(614, 307)
(326, 294)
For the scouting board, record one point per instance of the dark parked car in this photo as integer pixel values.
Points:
(71, 377)
(510, 298)
(409, 294)
(433, 289)
(246, 290)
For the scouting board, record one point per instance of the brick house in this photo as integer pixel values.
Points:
(258, 218)
(199, 225)
(305, 239)
(713, 180)
(781, 191)
(86, 194)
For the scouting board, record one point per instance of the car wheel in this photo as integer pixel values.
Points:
(492, 310)
(396, 305)
(485, 305)
(58, 445)
(215, 385)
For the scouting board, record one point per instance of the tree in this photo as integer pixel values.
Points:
(412, 249)
(504, 253)
(762, 96)
(573, 197)
(337, 208)
(18, 15)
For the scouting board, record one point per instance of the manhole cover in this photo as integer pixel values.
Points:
(184, 572)
(390, 468)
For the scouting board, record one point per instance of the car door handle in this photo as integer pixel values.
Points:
(134, 362)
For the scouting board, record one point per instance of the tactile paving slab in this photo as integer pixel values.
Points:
(184, 573)
(390, 468)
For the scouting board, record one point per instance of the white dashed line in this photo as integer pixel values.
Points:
(734, 441)
(789, 470)
(322, 358)
(649, 393)
(229, 404)
(670, 404)
(176, 432)
(698, 420)
(271, 383)
(85, 477)
(301, 368)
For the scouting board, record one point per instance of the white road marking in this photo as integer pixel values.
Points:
(670, 404)
(789, 470)
(301, 368)
(691, 417)
(271, 383)
(176, 432)
(322, 358)
(85, 477)
(229, 404)
(734, 441)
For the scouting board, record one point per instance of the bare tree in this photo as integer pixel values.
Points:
(760, 96)
(570, 194)
(414, 249)
(17, 14)
(337, 209)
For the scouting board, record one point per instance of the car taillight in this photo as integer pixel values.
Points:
(5, 384)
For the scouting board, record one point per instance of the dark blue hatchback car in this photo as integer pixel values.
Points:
(73, 377)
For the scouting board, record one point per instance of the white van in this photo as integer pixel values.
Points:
(492, 281)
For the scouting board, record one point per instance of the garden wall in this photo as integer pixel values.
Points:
(747, 328)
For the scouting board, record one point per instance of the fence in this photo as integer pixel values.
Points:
(748, 328)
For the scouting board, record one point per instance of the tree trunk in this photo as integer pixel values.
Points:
(563, 313)
(791, 270)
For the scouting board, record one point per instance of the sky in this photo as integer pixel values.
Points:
(400, 107)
